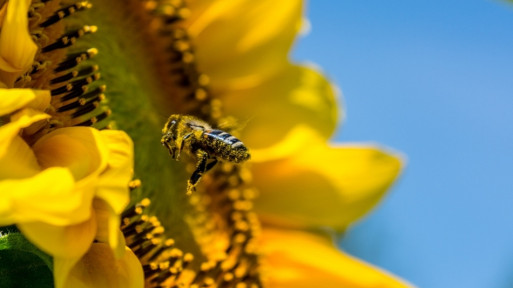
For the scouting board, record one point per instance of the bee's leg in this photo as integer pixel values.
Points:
(182, 144)
(201, 167)
(211, 165)
(166, 144)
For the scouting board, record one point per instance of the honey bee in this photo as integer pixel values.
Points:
(195, 136)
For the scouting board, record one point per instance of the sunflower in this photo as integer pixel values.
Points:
(267, 223)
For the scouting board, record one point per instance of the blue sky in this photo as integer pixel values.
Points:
(433, 80)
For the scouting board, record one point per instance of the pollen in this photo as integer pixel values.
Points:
(63, 68)
(164, 265)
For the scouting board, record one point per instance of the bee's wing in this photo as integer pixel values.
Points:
(233, 125)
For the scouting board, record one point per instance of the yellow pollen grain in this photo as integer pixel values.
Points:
(203, 80)
(176, 3)
(153, 219)
(139, 228)
(251, 247)
(245, 175)
(226, 265)
(150, 5)
(241, 226)
(188, 257)
(91, 29)
(233, 180)
(154, 265)
(228, 277)
(234, 194)
(239, 238)
(85, 4)
(164, 265)
(169, 242)
(146, 201)
(182, 46)
(200, 94)
(176, 253)
(208, 281)
(169, 11)
(243, 205)
(136, 183)
(158, 230)
(250, 193)
(179, 33)
(188, 57)
(205, 266)
(138, 211)
(92, 52)
(184, 13)
(174, 270)
(236, 216)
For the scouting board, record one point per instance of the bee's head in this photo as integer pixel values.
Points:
(169, 141)
(171, 123)
(169, 136)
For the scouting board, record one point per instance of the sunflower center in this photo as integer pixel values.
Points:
(148, 69)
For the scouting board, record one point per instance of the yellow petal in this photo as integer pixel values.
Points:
(80, 149)
(112, 187)
(302, 260)
(100, 269)
(14, 99)
(243, 41)
(61, 241)
(3, 9)
(323, 185)
(108, 227)
(42, 100)
(17, 160)
(61, 270)
(113, 183)
(17, 50)
(47, 197)
(295, 96)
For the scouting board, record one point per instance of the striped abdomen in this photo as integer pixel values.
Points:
(225, 146)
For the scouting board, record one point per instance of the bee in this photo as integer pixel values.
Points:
(197, 137)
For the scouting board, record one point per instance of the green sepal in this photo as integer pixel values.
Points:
(22, 264)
